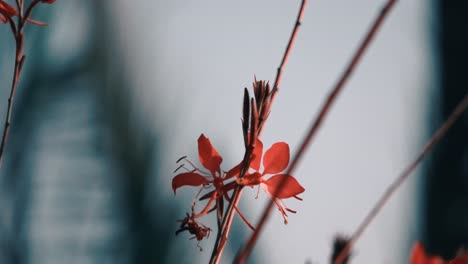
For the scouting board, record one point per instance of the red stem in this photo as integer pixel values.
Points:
(245, 252)
(19, 60)
(229, 216)
(439, 134)
(18, 34)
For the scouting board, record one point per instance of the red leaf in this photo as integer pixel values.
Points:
(289, 189)
(208, 155)
(257, 155)
(276, 158)
(188, 178)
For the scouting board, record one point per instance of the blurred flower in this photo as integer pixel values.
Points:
(6, 11)
(419, 256)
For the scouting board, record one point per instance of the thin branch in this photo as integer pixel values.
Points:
(245, 252)
(19, 60)
(29, 10)
(229, 216)
(287, 52)
(438, 135)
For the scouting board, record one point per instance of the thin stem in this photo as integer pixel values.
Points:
(287, 52)
(437, 136)
(229, 216)
(19, 60)
(245, 252)
(29, 10)
(240, 214)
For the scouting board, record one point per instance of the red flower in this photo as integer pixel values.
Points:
(419, 256)
(48, 1)
(211, 160)
(6, 11)
(275, 160)
(462, 259)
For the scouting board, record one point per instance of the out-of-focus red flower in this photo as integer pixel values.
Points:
(462, 258)
(48, 1)
(275, 160)
(419, 256)
(7, 11)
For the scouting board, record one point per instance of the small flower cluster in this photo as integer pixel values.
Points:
(419, 256)
(219, 183)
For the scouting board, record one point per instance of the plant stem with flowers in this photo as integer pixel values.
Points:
(280, 186)
(256, 110)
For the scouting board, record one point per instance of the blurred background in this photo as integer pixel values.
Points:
(114, 92)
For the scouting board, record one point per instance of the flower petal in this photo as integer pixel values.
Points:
(208, 155)
(7, 9)
(418, 256)
(289, 189)
(463, 259)
(234, 171)
(250, 179)
(276, 158)
(257, 155)
(188, 178)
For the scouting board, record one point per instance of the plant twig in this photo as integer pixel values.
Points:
(19, 60)
(287, 52)
(245, 252)
(437, 136)
(228, 217)
(18, 33)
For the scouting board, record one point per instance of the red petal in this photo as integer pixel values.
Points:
(463, 259)
(289, 189)
(418, 256)
(250, 179)
(276, 158)
(7, 9)
(188, 178)
(208, 155)
(257, 155)
(234, 171)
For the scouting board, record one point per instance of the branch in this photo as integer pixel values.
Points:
(438, 135)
